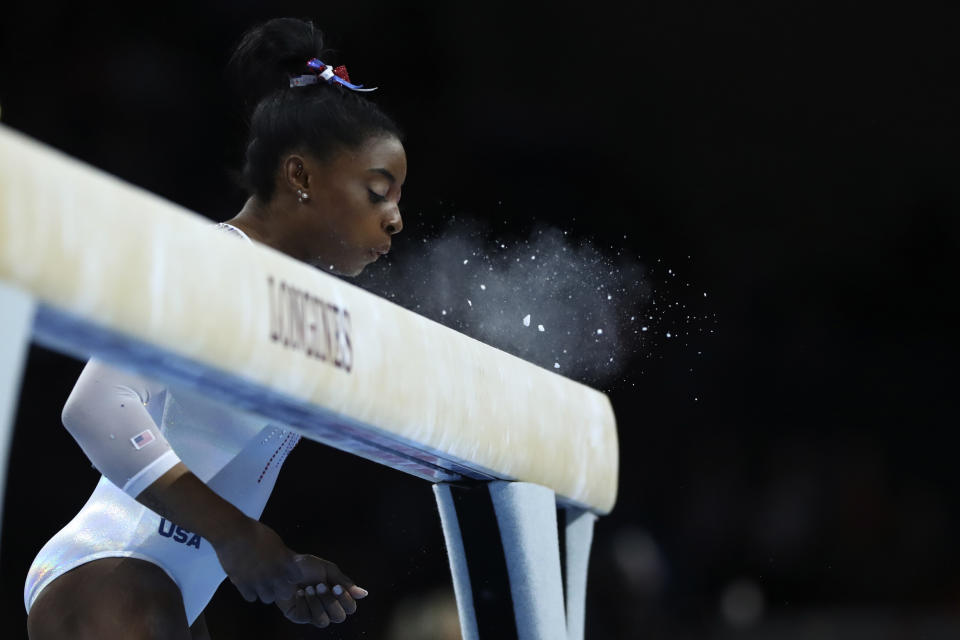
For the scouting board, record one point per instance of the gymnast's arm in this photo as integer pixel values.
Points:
(108, 415)
(257, 561)
(254, 557)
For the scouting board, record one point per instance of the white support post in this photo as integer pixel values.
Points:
(16, 325)
(527, 515)
(447, 500)
(505, 559)
(577, 534)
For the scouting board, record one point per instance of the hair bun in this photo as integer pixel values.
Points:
(270, 53)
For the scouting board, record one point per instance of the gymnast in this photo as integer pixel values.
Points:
(177, 507)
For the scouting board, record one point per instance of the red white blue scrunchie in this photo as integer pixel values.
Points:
(332, 75)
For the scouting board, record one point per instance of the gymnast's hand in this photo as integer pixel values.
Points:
(258, 563)
(326, 594)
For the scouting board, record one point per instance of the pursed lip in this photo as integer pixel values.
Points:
(380, 251)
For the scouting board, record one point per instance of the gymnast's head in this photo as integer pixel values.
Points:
(324, 166)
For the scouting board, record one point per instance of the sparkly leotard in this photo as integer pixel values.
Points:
(236, 454)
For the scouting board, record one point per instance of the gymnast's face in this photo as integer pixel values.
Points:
(352, 210)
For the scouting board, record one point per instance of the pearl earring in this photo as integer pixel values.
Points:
(303, 197)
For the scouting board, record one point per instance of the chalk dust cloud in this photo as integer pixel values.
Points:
(564, 304)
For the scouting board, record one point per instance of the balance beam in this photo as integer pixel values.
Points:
(93, 266)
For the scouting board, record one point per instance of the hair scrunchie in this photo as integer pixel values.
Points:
(332, 75)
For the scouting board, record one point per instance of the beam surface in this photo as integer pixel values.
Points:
(125, 275)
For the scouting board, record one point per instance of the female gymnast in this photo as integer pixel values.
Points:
(178, 506)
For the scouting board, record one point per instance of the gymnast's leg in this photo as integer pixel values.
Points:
(110, 598)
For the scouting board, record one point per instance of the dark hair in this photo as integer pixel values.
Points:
(321, 118)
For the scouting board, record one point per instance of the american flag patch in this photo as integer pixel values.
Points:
(142, 439)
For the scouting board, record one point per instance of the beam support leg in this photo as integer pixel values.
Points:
(576, 534)
(16, 326)
(504, 555)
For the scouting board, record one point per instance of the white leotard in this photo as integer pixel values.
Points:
(236, 454)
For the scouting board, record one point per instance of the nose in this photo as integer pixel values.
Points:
(392, 223)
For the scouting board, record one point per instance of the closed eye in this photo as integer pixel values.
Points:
(375, 197)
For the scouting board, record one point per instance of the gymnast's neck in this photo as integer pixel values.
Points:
(253, 219)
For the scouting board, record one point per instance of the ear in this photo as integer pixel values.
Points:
(296, 173)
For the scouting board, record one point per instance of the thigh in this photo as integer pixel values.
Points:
(110, 598)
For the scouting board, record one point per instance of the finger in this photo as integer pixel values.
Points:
(345, 599)
(265, 593)
(248, 594)
(303, 609)
(296, 609)
(335, 576)
(330, 603)
(318, 613)
(358, 593)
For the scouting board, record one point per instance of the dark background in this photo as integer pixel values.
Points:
(797, 160)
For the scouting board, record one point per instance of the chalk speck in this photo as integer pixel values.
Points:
(599, 332)
(540, 327)
(526, 320)
(556, 365)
